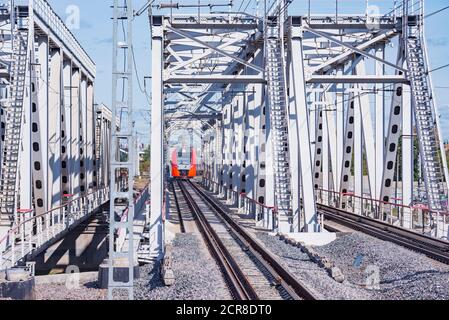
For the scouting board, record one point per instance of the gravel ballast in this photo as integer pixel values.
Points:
(197, 276)
(312, 275)
(85, 291)
(391, 271)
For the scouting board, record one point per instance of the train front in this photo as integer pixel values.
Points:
(184, 163)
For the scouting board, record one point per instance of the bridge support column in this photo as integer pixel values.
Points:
(54, 129)
(218, 165)
(43, 114)
(295, 164)
(269, 171)
(331, 133)
(368, 134)
(325, 108)
(380, 123)
(238, 170)
(249, 154)
(340, 128)
(310, 223)
(157, 143)
(66, 112)
(83, 135)
(90, 139)
(258, 140)
(228, 149)
(408, 174)
(25, 160)
(74, 163)
(358, 152)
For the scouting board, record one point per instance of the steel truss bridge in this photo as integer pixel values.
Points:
(300, 113)
(55, 141)
(297, 115)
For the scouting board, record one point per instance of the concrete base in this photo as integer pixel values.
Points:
(312, 239)
(63, 278)
(121, 274)
(22, 289)
(171, 230)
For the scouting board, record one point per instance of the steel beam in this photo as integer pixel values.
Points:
(380, 122)
(43, 53)
(310, 215)
(157, 157)
(54, 129)
(354, 49)
(362, 79)
(408, 172)
(342, 58)
(211, 79)
(220, 51)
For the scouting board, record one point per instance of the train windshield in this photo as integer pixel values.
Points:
(183, 158)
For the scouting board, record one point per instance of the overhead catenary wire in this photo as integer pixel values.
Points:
(437, 69)
(436, 12)
(141, 88)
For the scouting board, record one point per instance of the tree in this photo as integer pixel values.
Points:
(146, 161)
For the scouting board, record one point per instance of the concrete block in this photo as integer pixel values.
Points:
(171, 230)
(17, 275)
(167, 267)
(121, 274)
(312, 239)
(62, 278)
(20, 288)
(337, 275)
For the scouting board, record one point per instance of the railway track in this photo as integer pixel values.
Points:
(433, 248)
(250, 271)
(178, 208)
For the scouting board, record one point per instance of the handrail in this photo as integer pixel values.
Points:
(245, 196)
(409, 217)
(139, 197)
(125, 215)
(380, 202)
(63, 206)
(46, 226)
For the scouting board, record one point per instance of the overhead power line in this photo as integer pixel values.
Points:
(439, 68)
(436, 12)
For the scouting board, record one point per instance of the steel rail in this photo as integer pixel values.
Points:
(178, 208)
(433, 248)
(238, 284)
(288, 281)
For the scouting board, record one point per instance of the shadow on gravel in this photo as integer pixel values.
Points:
(412, 277)
(91, 285)
(288, 259)
(155, 280)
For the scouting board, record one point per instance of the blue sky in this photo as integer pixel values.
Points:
(95, 34)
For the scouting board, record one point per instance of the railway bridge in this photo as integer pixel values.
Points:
(298, 119)
(300, 113)
(52, 175)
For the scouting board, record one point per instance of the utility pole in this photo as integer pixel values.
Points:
(121, 223)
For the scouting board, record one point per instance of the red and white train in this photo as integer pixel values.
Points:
(183, 163)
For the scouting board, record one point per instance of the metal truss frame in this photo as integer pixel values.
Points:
(343, 74)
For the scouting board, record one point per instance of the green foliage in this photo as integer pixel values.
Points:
(146, 161)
